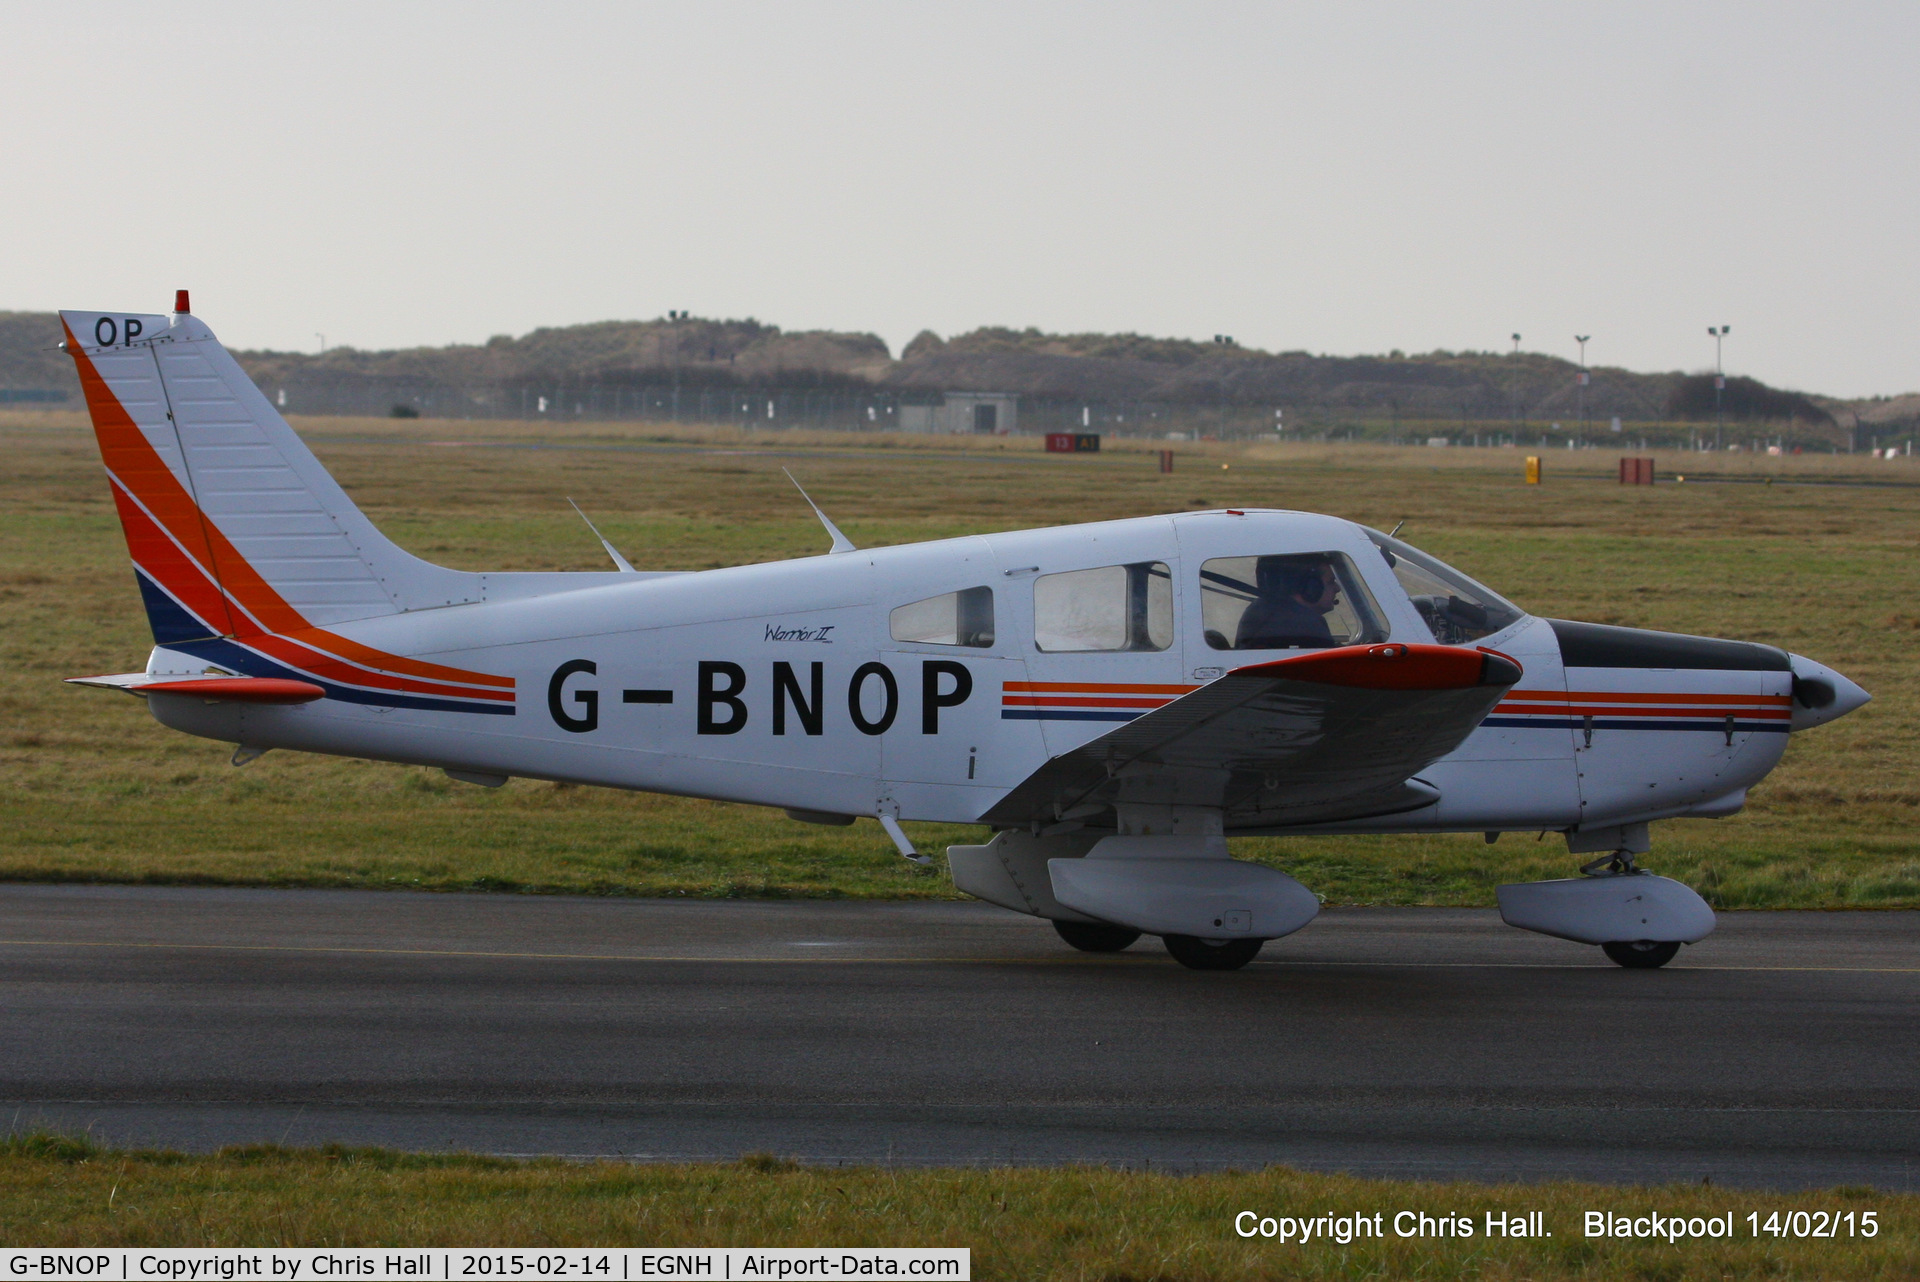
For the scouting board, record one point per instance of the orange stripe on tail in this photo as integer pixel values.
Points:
(177, 520)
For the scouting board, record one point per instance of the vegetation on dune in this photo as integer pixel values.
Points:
(94, 790)
(1038, 1223)
(1693, 398)
(1463, 392)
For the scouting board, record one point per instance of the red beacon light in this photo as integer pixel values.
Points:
(180, 302)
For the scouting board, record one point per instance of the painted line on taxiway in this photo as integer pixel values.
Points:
(1276, 963)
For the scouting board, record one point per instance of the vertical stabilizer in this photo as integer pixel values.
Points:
(246, 551)
(205, 469)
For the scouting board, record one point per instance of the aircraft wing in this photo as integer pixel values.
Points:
(1324, 736)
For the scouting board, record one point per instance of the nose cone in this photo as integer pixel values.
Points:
(1821, 695)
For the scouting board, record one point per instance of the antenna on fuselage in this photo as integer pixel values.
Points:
(1396, 529)
(612, 551)
(841, 543)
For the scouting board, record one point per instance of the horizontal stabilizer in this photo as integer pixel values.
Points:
(241, 689)
(218, 689)
(1333, 734)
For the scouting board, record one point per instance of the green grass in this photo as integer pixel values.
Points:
(1076, 1223)
(91, 789)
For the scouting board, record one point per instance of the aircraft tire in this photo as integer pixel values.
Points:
(1095, 937)
(1199, 954)
(1640, 954)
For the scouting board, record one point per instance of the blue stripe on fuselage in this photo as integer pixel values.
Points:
(229, 654)
(176, 629)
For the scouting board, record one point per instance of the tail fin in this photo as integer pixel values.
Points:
(226, 511)
(246, 551)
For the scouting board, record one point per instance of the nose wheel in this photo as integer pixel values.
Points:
(1205, 954)
(1641, 954)
(1634, 954)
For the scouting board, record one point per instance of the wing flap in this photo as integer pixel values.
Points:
(1334, 734)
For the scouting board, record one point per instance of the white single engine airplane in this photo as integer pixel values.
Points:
(1113, 700)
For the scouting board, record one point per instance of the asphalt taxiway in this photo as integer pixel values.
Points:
(1784, 1051)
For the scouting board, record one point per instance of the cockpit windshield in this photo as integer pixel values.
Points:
(1456, 609)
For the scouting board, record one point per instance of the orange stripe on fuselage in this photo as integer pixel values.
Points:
(1081, 701)
(132, 461)
(290, 651)
(164, 563)
(1092, 687)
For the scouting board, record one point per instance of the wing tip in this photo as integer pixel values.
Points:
(1497, 669)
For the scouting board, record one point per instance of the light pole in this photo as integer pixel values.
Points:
(1516, 387)
(1582, 340)
(1719, 379)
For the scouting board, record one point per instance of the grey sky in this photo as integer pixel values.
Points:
(1339, 178)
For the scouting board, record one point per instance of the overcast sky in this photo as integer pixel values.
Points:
(1336, 177)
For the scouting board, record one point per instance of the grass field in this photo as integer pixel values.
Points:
(95, 790)
(1077, 1223)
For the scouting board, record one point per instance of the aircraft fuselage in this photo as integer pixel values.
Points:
(781, 684)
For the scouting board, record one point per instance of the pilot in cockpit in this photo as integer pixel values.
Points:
(1295, 595)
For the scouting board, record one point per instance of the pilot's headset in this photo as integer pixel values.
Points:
(1281, 576)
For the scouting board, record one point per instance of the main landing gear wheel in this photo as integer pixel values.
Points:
(1640, 954)
(1201, 954)
(1095, 937)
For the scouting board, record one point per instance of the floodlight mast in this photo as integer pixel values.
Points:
(1719, 380)
(1516, 387)
(1582, 340)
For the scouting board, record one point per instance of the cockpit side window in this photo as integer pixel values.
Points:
(953, 618)
(1114, 607)
(1304, 601)
(1455, 608)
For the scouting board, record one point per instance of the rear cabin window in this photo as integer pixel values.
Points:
(953, 618)
(1116, 607)
(1298, 602)
(1456, 609)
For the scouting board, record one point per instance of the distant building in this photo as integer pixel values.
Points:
(984, 413)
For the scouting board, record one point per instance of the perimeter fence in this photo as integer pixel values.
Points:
(878, 410)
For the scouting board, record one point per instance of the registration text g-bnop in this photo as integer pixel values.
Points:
(724, 1264)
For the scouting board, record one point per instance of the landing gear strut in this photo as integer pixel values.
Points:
(1634, 954)
(1204, 954)
(1618, 864)
(1095, 937)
